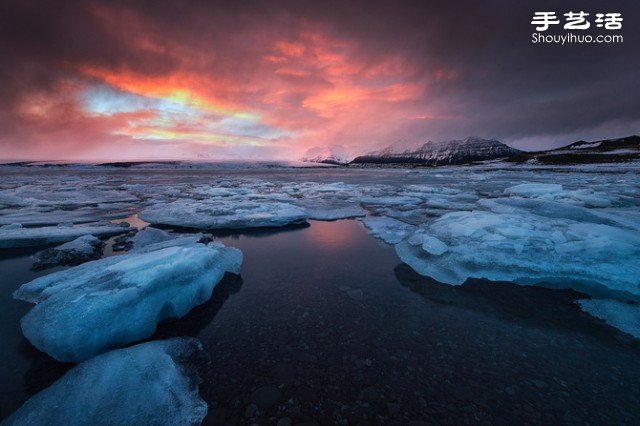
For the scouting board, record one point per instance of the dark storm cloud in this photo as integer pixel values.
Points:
(470, 65)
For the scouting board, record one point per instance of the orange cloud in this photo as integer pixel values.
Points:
(290, 49)
(305, 89)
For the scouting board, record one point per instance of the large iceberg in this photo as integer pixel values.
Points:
(223, 214)
(15, 235)
(152, 383)
(107, 303)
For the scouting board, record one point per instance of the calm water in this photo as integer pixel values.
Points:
(326, 325)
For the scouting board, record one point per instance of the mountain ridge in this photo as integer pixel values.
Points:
(582, 152)
(457, 151)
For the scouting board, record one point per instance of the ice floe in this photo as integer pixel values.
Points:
(103, 304)
(527, 249)
(15, 235)
(82, 249)
(223, 214)
(150, 383)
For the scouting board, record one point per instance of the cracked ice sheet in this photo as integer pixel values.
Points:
(150, 383)
(100, 305)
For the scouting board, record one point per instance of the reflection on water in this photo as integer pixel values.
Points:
(15, 267)
(326, 326)
(334, 235)
(529, 304)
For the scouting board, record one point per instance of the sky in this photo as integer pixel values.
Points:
(259, 80)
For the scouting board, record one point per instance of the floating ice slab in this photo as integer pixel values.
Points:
(107, 303)
(151, 383)
(223, 214)
(15, 235)
(530, 249)
(82, 249)
(623, 316)
(389, 230)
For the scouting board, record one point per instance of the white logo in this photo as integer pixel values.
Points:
(611, 21)
(544, 19)
(579, 21)
(576, 21)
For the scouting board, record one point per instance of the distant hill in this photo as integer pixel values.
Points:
(463, 151)
(582, 152)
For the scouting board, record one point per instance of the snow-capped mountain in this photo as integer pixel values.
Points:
(443, 153)
(331, 155)
(582, 152)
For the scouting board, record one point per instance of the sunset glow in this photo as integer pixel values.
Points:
(236, 83)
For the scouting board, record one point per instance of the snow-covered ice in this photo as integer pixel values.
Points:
(107, 303)
(223, 214)
(15, 235)
(151, 383)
